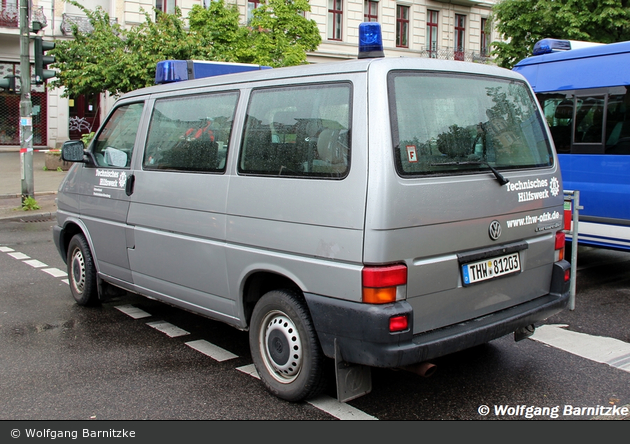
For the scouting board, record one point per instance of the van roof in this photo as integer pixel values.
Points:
(349, 66)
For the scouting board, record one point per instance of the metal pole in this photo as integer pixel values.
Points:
(574, 247)
(26, 106)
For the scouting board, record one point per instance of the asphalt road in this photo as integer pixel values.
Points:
(65, 362)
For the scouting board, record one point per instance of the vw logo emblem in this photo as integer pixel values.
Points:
(494, 230)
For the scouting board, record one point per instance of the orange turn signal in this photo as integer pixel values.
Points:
(379, 295)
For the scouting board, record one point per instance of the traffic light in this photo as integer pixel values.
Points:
(8, 83)
(42, 60)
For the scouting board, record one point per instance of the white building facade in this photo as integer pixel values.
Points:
(447, 29)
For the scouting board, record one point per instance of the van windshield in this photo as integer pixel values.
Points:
(458, 124)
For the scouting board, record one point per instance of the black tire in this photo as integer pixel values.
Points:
(82, 272)
(285, 348)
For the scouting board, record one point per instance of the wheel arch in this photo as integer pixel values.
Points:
(71, 227)
(258, 283)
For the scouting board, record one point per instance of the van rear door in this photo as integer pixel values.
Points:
(475, 196)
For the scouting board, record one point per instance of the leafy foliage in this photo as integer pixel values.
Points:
(111, 58)
(521, 23)
(30, 204)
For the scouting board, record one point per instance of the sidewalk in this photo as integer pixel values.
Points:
(45, 186)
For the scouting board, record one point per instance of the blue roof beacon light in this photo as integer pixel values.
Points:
(169, 71)
(370, 40)
(547, 46)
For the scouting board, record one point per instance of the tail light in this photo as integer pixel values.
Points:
(398, 323)
(382, 285)
(560, 240)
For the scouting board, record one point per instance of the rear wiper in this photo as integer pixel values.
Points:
(502, 180)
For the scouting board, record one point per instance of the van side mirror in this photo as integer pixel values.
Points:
(73, 151)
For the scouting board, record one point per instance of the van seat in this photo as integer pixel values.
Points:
(332, 152)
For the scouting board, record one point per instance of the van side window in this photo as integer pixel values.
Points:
(113, 146)
(299, 131)
(190, 133)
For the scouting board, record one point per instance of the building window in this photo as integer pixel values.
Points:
(484, 37)
(251, 5)
(335, 19)
(432, 33)
(402, 26)
(460, 32)
(167, 6)
(370, 11)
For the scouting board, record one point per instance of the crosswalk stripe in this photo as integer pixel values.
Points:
(168, 329)
(35, 263)
(609, 351)
(19, 256)
(132, 311)
(211, 350)
(55, 272)
(339, 410)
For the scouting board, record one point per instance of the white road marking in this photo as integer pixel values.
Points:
(55, 272)
(19, 256)
(65, 281)
(132, 311)
(609, 351)
(168, 329)
(339, 410)
(211, 350)
(6, 249)
(249, 370)
(35, 263)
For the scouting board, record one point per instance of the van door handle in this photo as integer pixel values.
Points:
(131, 180)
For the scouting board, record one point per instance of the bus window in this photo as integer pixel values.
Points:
(589, 123)
(617, 125)
(558, 111)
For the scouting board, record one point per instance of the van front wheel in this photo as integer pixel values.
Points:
(81, 271)
(284, 347)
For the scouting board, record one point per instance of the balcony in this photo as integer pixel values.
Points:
(10, 16)
(456, 54)
(80, 21)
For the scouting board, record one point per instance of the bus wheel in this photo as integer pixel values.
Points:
(284, 347)
(81, 271)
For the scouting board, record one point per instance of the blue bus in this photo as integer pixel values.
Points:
(585, 98)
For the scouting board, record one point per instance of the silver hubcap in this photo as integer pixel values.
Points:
(281, 347)
(78, 271)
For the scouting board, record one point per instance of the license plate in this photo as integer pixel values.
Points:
(491, 268)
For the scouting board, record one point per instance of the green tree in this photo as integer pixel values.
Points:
(117, 60)
(521, 23)
(279, 34)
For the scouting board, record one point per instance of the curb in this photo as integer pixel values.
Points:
(39, 193)
(38, 217)
(29, 216)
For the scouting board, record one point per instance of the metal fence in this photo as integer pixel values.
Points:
(456, 54)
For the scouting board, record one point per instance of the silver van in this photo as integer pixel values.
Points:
(379, 212)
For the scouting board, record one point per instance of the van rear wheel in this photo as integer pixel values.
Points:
(284, 347)
(81, 271)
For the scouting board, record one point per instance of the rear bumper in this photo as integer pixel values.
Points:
(363, 337)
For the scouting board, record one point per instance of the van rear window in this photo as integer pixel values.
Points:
(458, 124)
